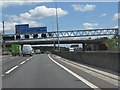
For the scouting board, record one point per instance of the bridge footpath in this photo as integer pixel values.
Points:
(99, 59)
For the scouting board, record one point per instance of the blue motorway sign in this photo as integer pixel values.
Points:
(33, 30)
(21, 27)
(24, 29)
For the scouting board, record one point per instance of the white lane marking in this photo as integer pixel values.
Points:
(15, 67)
(23, 62)
(76, 75)
(11, 69)
(28, 59)
(2, 75)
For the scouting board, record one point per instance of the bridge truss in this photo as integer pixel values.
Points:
(73, 33)
(82, 33)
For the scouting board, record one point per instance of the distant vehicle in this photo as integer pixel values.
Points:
(71, 49)
(16, 49)
(5, 53)
(27, 50)
(47, 52)
(74, 48)
(42, 52)
(37, 51)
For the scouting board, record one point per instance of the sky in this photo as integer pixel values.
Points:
(71, 15)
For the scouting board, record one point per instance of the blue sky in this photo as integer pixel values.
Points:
(72, 16)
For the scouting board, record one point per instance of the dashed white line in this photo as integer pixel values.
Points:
(11, 70)
(15, 67)
(28, 59)
(2, 75)
(76, 75)
(23, 62)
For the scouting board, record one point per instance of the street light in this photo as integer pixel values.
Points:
(3, 43)
(57, 28)
(3, 28)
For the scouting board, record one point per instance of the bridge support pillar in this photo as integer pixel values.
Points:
(54, 46)
(95, 47)
(92, 48)
(83, 44)
(14, 37)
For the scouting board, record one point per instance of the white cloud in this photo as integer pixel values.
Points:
(89, 25)
(83, 8)
(31, 17)
(42, 12)
(116, 17)
(6, 3)
(14, 20)
(104, 14)
(1, 27)
(9, 26)
(25, 15)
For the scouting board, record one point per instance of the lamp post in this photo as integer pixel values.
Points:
(53, 36)
(118, 39)
(3, 43)
(3, 28)
(57, 28)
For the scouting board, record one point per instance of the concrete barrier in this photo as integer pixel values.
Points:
(105, 60)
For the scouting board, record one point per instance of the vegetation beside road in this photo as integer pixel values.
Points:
(112, 43)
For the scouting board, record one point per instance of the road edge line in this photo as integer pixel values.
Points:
(74, 63)
(75, 75)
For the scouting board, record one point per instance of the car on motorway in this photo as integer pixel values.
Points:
(27, 50)
(42, 52)
(5, 53)
(37, 51)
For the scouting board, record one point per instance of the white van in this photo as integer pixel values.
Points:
(27, 50)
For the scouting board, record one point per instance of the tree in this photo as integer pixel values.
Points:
(111, 43)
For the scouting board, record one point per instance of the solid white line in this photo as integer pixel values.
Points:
(76, 75)
(11, 70)
(23, 62)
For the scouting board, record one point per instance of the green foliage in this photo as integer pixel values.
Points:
(112, 43)
(119, 43)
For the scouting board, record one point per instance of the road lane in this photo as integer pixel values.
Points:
(11, 62)
(41, 72)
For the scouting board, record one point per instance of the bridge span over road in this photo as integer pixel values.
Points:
(52, 41)
(64, 37)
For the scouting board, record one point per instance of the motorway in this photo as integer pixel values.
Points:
(45, 71)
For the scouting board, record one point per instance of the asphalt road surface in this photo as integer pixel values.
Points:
(37, 72)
